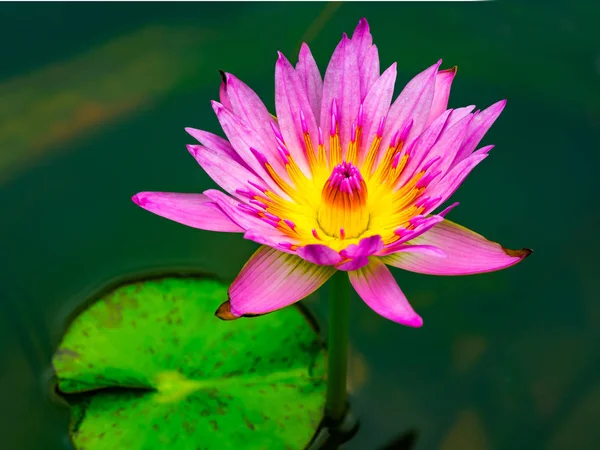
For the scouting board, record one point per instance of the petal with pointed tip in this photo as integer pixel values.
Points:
(290, 99)
(271, 280)
(441, 93)
(230, 206)
(451, 181)
(414, 102)
(376, 105)
(467, 253)
(242, 138)
(448, 143)
(367, 57)
(247, 105)
(217, 145)
(342, 84)
(477, 129)
(378, 288)
(310, 78)
(225, 172)
(193, 210)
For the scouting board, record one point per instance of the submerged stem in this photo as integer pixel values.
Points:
(339, 317)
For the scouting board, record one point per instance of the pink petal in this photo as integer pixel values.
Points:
(423, 145)
(424, 249)
(366, 56)
(453, 179)
(357, 256)
(422, 223)
(376, 106)
(291, 99)
(457, 114)
(413, 103)
(319, 254)
(377, 287)
(273, 239)
(342, 84)
(223, 96)
(483, 150)
(369, 71)
(247, 105)
(243, 137)
(477, 129)
(230, 207)
(217, 145)
(228, 174)
(310, 78)
(193, 210)
(467, 253)
(271, 280)
(447, 144)
(441, 93)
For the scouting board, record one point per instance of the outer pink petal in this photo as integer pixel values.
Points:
(193, 210)
(367, 57)
(243, 137)
(423, 145)
(231, 207)
(217, 145)
(425, 249)
(246, 104)
(228, 174)
(271, 280)
(467, 253)
(290, 99)
(319, 254)
(273, 239)
(422, 224)
(457, 114)
(447, 144)
(376, 106)
(413, 103)
(377, 287)
(341, 84)
(310, 78)
(439, 104)
(369, 71)
(453, 179)
(477, 129)
(223, 96)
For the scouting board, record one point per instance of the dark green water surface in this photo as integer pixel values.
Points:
(93, 102)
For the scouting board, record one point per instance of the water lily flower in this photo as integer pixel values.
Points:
(342, 178)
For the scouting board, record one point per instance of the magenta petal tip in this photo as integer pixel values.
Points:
(216, 106)
(193, 149)
(415, 322)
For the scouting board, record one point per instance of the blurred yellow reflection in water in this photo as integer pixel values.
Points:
(43, 110)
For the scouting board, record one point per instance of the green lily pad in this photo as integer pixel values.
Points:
(153, 368)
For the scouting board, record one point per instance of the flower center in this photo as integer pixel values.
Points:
(343, 211)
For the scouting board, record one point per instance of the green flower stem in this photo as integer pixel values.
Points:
(339, 317)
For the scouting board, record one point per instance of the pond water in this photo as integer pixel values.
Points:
(93, 102)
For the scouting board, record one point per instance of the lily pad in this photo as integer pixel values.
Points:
(151, 367)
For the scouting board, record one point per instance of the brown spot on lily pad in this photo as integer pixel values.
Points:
(249, 424)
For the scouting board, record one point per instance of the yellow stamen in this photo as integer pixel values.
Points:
(343, 212)
(368, 164)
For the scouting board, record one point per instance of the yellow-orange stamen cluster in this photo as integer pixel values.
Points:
(344, 196)
(343, 210)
